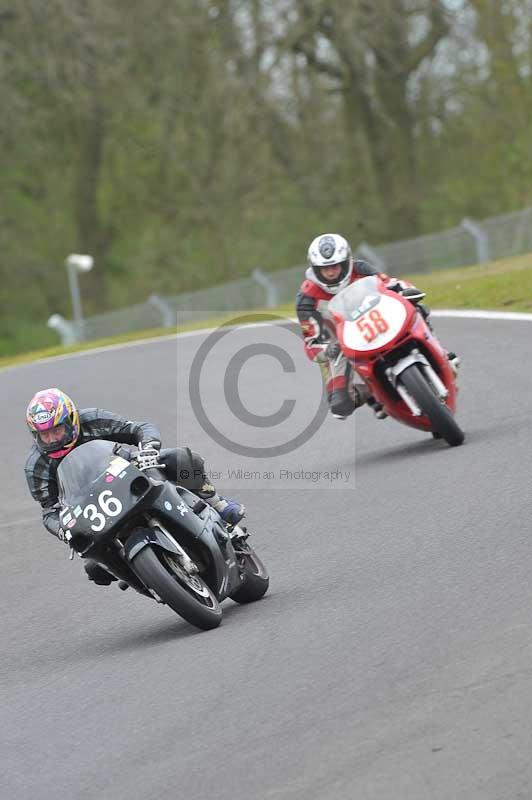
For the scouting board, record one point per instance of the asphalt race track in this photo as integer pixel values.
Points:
(392, 657)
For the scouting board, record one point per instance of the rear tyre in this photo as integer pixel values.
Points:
(255, 579)
(443, 422)
(187, 595)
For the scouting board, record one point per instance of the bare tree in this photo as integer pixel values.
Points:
(369, 51)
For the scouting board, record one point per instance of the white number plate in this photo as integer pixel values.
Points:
(377, 327)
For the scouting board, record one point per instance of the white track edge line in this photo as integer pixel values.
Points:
(509, 316)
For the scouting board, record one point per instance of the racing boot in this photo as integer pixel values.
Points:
(232, 513)
(230, 510)
(341, 403)
(361, 395)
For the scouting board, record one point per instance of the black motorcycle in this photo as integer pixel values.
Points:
(158, 538)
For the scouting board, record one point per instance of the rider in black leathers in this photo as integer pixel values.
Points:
(58, 427)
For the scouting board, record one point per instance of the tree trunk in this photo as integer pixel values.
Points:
(92, 236)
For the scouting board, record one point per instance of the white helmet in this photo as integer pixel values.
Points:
(328, 250)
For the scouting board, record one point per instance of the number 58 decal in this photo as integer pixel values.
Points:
(110, 505)
(370, 328)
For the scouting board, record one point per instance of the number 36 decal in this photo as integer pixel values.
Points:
(110, 505)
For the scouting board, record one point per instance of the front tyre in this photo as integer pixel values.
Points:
(187, 595)
(255, 579)
(443, 422)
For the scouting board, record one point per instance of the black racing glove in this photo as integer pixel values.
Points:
(408, 292)
(154, 443)
(414, 295)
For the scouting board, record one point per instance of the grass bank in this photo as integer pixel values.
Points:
(504, 285)
(134, 336)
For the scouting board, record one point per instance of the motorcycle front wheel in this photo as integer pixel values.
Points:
(187, 595)
(442, 420)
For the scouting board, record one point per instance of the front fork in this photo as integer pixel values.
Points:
(416, 357)
(189, 566)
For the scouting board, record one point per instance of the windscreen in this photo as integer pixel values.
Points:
(356, 299)
(81, 467)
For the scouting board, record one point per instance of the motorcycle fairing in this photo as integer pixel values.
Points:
(205, 529)
(354, 332)
(403, 333)
(373, 371)
(83, 475)
(353, 317)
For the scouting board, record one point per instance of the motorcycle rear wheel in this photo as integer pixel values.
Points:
(442, 420)
(187, 595)
(255, 578)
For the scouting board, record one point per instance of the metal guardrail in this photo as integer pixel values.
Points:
(471, 242)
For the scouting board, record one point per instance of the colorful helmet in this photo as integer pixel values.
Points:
(48, 409)
(328, 250)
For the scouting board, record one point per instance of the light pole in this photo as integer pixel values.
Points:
(76, 262)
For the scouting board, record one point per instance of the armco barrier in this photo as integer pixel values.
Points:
(471, 242)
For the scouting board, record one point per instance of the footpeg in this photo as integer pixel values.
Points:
(239, 535)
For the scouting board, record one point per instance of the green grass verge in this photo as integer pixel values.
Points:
(134, 336)
(504, 285)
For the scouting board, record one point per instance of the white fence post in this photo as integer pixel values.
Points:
(168, 314)
(272, 292)
(480, 237)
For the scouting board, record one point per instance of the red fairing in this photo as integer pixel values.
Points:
(314, 317)
(358, 355)
(412, 333)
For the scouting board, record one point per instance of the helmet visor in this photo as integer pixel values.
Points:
(332, 274)
(52, 436)
(55, 439)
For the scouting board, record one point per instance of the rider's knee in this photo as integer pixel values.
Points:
(185, 467)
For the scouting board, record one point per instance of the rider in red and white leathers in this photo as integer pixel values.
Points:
(331, 267)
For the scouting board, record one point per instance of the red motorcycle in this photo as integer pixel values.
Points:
(406, 369)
